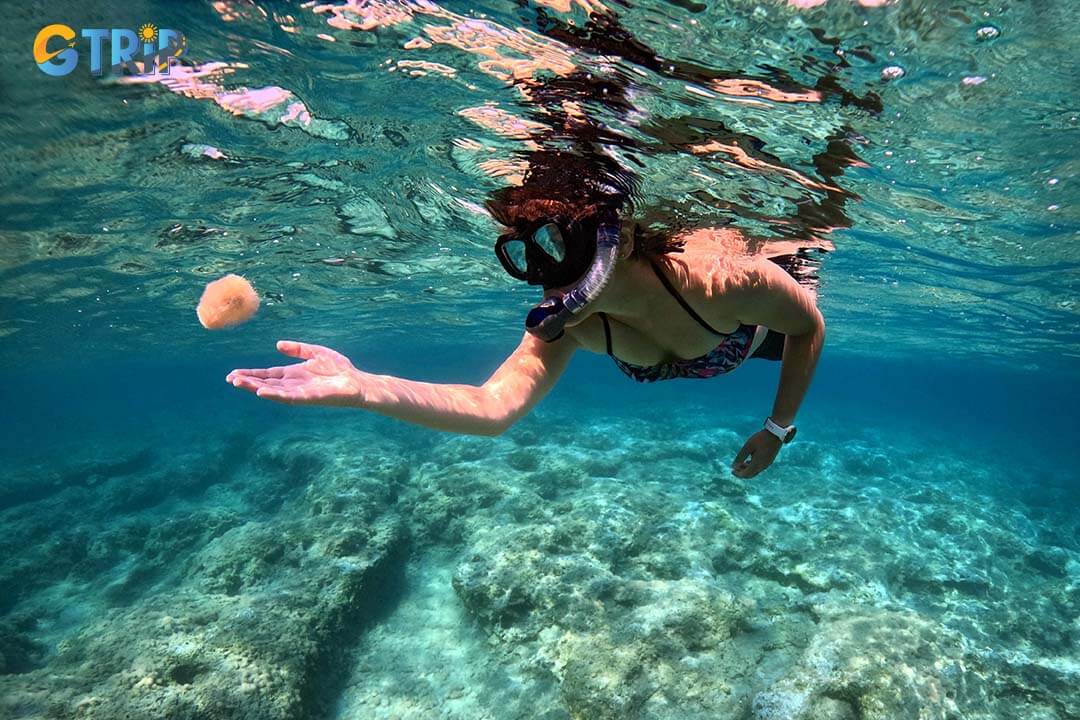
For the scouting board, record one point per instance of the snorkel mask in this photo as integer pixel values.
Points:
(543, 258)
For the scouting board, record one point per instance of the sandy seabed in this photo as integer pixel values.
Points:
(614, 570)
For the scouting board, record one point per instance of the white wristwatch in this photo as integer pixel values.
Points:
(784, 434)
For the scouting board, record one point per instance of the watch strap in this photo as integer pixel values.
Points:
(784, 434)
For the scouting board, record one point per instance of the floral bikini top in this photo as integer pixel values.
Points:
(734, 347)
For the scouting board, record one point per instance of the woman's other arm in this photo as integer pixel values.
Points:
(766, 295)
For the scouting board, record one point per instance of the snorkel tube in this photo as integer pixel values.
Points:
(547, 320)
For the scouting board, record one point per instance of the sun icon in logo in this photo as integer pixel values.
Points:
(148, 33)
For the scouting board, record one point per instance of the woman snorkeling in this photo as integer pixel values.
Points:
(687, 304)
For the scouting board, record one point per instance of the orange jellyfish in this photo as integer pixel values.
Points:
(226, 302)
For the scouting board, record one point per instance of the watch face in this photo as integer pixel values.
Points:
(790, 435)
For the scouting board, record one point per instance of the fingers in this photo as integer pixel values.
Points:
(237, 377)
(272, 389)
(748, 470)
(254, 382)
(274, 372)
(744, 453)
(245, 382)
(752, 459)
(295, 349)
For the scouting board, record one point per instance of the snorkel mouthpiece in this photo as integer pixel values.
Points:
(547, 320)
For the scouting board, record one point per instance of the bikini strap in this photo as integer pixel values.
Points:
(607, 330)
(675, 294)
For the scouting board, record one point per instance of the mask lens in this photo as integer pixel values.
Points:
(549, 239)
(515, 253)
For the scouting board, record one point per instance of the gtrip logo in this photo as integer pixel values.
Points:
(144, 51)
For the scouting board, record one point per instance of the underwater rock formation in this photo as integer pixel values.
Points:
(654, 600)
(874, 664)
(616, 574)
(238, 614)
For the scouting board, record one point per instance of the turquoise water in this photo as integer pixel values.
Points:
(175, 548)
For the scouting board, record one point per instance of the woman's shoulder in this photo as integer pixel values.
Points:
(713, 237)
(724, 259)
(712, 259)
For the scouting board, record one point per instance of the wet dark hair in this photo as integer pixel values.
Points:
(578, 191)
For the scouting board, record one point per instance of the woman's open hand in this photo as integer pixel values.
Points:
(756, 455)
(326, 377)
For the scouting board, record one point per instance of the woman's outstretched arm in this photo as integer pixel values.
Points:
(326, 377)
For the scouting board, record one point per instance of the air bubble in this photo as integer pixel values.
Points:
(987, 32)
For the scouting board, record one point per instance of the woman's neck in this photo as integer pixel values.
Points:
(627, 292)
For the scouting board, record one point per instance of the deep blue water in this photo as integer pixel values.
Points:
(1012, 416)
